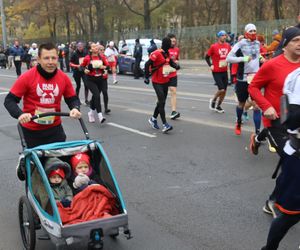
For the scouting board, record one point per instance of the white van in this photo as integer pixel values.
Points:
(126, 61)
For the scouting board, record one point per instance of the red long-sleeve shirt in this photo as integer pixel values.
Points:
(271, 77)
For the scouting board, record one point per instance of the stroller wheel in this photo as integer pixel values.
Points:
(27, 226)
(114, 234)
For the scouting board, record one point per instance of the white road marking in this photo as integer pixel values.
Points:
(131, 130)
(206, 122)
(179, 93)
(3, 93)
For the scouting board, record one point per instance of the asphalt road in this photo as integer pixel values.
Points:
(197, 187)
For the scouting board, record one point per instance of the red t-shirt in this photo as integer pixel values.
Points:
(271, 77)
(96, 61)
(174, 55)
(218, 53)
(41, 95)
(163, 63)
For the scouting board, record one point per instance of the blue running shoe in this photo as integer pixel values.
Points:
(245, 117)
(153, 123)
(166, 128)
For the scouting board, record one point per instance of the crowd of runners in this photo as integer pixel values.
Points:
(267, 79)
(261, 74)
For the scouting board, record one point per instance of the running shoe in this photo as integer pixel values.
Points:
(238, 129)
(245, 117)
(220, 110)
(270, 147)
(166, 127)
(270, 208)
(21, 173)
(107, 111)
(91, 116)
(115, 82)
(174, 115)
(254, 145)
(212, 104)
(101, 118)
(153, 123)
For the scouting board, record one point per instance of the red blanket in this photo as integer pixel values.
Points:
(94, 202)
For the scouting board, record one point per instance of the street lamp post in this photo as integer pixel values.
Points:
(3, 24)
(233, 16)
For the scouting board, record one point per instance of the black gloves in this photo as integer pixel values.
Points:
(65, 202)
(81, 69)
(90, 67)
(146, 80)
(177, 67)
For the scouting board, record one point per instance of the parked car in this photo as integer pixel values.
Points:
(126, 60)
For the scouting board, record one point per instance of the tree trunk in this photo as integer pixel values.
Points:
(49, 20)
(54, 28)
(68, 27)
(91, 22)
(278, 11)
(101, 30)
(147, 15)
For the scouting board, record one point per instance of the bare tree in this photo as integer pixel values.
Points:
(278, 10)
(147, 11)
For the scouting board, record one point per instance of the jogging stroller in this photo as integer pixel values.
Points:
(38, 209)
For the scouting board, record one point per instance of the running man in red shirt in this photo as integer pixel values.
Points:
(271, 77)
(218, 53)
(174, 55)
(161, 67)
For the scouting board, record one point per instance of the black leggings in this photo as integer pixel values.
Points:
(279, 227)
(95, 85)
(161, 91)
(277, 136)
(77, 77)
(105, 94)
(18, 65)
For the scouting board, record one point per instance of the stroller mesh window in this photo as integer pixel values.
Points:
(39, 190)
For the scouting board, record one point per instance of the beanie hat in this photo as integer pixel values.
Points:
(166, 44)
(55, 163)
(289, 34)
(58, 171)
(221, 33)
(80, 157)
(250, 26)
(275, 32)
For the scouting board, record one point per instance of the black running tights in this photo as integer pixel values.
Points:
(161, 91)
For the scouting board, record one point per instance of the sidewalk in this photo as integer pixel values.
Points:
(194, 66)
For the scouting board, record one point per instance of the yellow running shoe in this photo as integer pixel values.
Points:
(271, 148)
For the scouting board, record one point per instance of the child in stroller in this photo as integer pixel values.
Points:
(57, 172)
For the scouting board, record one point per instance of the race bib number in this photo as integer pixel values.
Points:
(222, 63)
(81, 60)
(44, 120)
(17, 58)
(111, 59)
(250, 78)
(96, 64)
(167, 70)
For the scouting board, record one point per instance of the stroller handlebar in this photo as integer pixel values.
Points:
(49, 114)
(23, 142)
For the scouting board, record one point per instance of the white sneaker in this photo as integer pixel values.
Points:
(91, 116)
(115, 81)
(101, 118)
